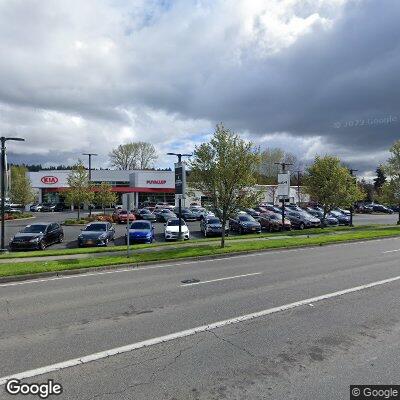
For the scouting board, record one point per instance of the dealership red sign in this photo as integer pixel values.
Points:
(156, 181)
(49, 180)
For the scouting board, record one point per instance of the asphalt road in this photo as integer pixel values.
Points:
(71, 232)
(310, 350)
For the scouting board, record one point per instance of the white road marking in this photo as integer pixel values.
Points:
(220, 279)
(144, 268)
(391, 251)
(189, 332)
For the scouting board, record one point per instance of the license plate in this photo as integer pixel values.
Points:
(89, 242)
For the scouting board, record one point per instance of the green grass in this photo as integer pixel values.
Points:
(9, 269)
(91, 250)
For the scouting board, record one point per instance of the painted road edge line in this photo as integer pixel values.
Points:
(189, 332)
(184, 263)
(391, 251)
(220, 279)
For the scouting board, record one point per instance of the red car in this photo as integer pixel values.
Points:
(122, 216)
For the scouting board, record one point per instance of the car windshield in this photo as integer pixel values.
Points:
(123, 212)
(175, 222)
(35, 229)
(166, 211)
(214, 221)
(96, 227)
(246, 218)
(144, 211)
(140, 225)
(273, 216)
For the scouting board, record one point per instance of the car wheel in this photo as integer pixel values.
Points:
(42, 246)
(61, 238)
(241, 231)
(106, 243)
(302, 226)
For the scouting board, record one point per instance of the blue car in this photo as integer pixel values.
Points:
(140, 232)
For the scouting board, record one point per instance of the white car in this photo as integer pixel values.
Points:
(172, 229)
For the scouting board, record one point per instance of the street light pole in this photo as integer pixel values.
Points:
(90, 174)
(351, 206)
(180, 155)
(3, 183)
(283, 166)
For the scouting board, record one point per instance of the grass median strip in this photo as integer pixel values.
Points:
(92, 250)
(9, 269)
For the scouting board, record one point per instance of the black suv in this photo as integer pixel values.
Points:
(244, 223)
(212, 226)
(37, 236)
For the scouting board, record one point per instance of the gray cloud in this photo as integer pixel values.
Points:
(321, 74)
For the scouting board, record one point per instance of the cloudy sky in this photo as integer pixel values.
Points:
(310, 76)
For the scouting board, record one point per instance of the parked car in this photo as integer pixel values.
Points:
(35, 207)
(273, 222)
(329, 220)
(96, 234)
(164, 215)
(212, 226)
(271, 207)
(381, 208)
(201, 212)
(342, 218)
(244, 223)
(171, 231)
(364, 208)
(395, 208)
(302, 219)
(60, 207)
(293, 207)
(37, 236)
(145, 214)
(254, 213)
(343, 211)
(164, 206)
(186, 213)
(48, 207)
(122, 216)
(140, 232)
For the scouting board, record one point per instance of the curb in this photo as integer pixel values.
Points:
(19, 219)
(78, 271)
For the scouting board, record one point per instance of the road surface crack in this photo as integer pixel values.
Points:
(233, 344)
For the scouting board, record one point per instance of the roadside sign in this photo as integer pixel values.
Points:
(284, 185)
(180, 178)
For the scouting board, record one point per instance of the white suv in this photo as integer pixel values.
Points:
(172, 230)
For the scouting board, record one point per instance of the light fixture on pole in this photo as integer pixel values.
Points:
(3, 141)
(90, 174)
(181, 186)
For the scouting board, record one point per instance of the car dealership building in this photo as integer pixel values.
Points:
(143, 185)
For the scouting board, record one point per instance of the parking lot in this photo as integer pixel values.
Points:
(71, 232)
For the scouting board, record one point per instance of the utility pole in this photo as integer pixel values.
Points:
(352, 205)
(283, 166)
(180, 155)
(3, 182)
(90, 174)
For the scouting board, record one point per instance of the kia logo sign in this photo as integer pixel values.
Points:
(49, 180)
(156, 182)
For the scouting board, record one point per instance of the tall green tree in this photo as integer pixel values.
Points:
(80, 190)
(21, 191)
(225, 169)
(330, 183)
(392, 167)
(105, 196)
(268, 169)
(380, 179)
(133, 155)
